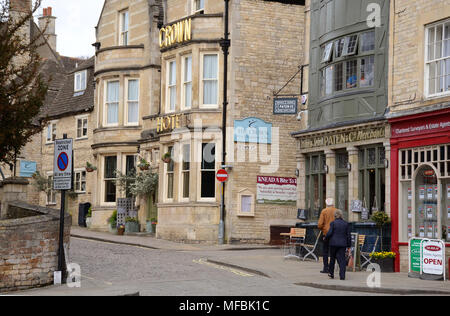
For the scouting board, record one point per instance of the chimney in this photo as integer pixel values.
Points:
(18, 9)
(47, 24)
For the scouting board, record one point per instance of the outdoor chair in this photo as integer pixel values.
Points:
(310, 248)
(292, 245)
(365, 254)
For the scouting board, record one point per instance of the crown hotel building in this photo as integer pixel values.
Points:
(265, 50)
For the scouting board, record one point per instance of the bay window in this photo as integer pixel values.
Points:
(171, 86)
(185, 170)
(112, 102)
(110, 167)
(208, 170)
(210, 79)
(133, 102)
(187, 82)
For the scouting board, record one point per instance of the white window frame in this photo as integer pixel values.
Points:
(124, 40)
(185, 83)
(202, 57)
(77, 84)
(169, 86)
(83, 119)
(50, 191)
(246, 193)
(427, 63)
(199, 172)
(194, 6)
(80, 181)
(345, 49)
(327, 52)
(51, 130)
(182, 171)
(128, 101)
(105, 105)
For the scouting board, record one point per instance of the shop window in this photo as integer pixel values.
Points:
(208, 170)
(110, 179)
(437, 75)
(424, 201)
(372, 178)
(133, 102)
(315, 185)
(112, 102)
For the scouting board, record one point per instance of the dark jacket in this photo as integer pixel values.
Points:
(339, 234)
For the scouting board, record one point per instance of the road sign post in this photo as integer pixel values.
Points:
(62, 180)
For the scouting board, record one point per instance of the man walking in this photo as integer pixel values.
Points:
(326, 217)
(339, 237)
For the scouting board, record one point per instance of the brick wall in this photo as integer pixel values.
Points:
(29, 249)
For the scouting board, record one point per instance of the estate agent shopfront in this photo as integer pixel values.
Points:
(420, 179)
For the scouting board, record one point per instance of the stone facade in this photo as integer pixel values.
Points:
(28, 240)
(266, 52)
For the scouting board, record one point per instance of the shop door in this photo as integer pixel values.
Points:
(152, 210)
(342, 194)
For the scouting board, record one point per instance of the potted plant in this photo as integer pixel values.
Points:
(120, 230)
(113, 223)
(380, 218)
(151, 226)
(90, 167)
(167, 157)
(131, 225)
(89, 218)
(143, 164)
(384, 259)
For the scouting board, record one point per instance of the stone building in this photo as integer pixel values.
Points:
(265, 56)
(419, 115)
(127, 82)
(343, 151)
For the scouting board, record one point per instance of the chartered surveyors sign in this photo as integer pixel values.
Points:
(62, 167)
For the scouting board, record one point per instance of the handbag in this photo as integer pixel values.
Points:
(349, 258)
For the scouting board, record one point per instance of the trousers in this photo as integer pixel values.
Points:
(338, 253)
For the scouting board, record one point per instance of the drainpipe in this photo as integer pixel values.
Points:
(225, 44)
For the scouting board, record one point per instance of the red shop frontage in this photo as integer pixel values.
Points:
(420, 180)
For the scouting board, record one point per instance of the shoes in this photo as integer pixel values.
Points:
(342, 279)
(331, 276)
(324, 271)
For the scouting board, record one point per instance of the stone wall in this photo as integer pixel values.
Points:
(29, 246)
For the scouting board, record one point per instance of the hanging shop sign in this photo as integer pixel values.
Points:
(343, 137)
(252, 130)
(285, 106)
(276, 190)
(176, 33)
(169, 123)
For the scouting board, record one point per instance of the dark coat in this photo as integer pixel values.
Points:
(339, 234)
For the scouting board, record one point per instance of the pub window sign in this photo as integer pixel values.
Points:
(285, 106)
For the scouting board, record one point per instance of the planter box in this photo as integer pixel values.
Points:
(88, 222)
(112, 230)
(386, 265)
(132, 227)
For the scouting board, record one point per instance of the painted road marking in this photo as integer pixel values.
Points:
(217, 266)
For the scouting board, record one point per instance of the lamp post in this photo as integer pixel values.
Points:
(225, 44)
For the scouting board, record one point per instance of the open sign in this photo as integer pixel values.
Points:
(433, 257)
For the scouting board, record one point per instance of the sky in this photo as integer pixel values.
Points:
(75, 25)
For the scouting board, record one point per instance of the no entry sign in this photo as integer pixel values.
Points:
(62, 167)
(222, 175)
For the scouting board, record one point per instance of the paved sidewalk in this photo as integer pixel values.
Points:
(267, 261)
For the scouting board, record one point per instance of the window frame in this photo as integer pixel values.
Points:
(75, 181)
(53, 126)
(80, 74)
(427, 62)
(166, 197)
(184, 83)
(169, 86)
(194, 6)
(123, 41)
(183, 171)
(82, 118)
(106, 103)
(128, 101)
(202, 80)
(246, 193)
(201, 170)
(104, 179)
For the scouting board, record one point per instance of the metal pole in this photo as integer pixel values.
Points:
(225, 44)
(61, 265)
